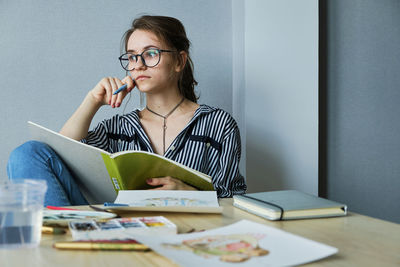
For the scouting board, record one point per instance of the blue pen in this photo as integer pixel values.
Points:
(110, 204)
(123, 87)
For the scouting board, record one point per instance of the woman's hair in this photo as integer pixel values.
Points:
(173, 33)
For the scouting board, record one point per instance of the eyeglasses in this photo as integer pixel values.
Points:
(150, 58)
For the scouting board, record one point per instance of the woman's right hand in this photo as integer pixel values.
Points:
(102, 93)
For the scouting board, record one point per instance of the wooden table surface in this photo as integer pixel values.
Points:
(361, 240)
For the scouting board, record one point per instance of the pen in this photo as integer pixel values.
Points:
(53, 230)
(79, 245)
(115, 204)
(123, 87)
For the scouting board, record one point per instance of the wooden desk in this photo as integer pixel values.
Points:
(361, 240)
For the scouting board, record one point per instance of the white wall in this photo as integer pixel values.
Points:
(281, 94)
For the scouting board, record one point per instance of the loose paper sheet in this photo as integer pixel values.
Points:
(244, 243)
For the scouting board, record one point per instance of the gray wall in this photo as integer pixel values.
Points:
(361, 84)
(281, 94)
(53, 52)
(238, 75)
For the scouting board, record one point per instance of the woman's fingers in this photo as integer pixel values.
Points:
(161, 180)
(121, 95)
(114, 87)
(129, 82)
(103, 92)
(162, 183)
(117, 99)
(107, 88)
(168, 183)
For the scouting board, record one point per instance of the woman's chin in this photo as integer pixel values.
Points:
(143, 89)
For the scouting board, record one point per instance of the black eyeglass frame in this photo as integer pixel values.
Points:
(141, 56)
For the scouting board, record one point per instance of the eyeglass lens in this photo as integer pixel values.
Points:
(149, 57)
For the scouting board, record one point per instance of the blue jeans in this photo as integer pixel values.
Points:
(36, 160)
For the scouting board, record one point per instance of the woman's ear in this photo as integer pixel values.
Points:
(181, 62)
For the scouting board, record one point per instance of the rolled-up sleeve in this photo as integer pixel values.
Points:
(228, 181)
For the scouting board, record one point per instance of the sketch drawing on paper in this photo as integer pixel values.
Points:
(229, 248)
(169, 201)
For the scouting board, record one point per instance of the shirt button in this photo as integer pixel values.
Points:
(208, 144)
(172, 148)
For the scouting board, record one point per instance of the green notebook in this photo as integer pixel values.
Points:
(288, 205)
(130, 169)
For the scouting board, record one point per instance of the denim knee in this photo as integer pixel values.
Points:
(29, 148)
(25, 152)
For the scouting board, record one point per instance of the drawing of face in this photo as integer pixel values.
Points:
(231, 248)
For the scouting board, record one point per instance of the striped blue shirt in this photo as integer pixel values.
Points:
(210, 143)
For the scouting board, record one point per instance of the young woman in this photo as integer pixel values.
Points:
(158, 64)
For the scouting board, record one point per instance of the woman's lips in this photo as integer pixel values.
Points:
(141, 77)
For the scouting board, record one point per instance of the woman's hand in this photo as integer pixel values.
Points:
(102, 93)
(77, 126)
(168, 183)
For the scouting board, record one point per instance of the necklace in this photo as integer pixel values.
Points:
(165, 119)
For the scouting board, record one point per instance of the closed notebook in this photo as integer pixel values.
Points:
(288, 205)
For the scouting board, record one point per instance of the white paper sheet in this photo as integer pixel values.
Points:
(269, 246)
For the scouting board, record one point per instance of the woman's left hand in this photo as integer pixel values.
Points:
(168, 183)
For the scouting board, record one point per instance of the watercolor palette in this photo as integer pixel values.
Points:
(63, 217)
(121, 228)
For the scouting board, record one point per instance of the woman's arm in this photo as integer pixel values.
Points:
(228, 181)
(78, 125)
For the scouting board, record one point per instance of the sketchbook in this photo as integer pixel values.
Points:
(166, 201)
(288, 205)
(97, 171)
(244, 243)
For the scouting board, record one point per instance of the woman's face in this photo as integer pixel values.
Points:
(160, 77)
